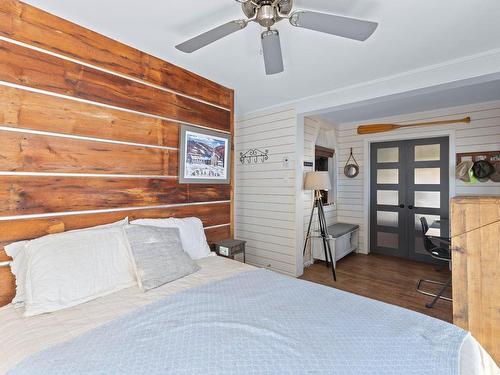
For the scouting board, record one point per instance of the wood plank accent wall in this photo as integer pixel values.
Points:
(27, 24)
(89, 133)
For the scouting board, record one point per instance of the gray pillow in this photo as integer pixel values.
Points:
(158, 255)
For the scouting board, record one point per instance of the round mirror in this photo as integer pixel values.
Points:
(351, 170)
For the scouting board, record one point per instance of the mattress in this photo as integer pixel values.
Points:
(22, 337)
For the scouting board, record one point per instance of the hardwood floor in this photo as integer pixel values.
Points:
(384, 278)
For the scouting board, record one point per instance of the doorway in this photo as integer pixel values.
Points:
(408, 179)
(323, 161)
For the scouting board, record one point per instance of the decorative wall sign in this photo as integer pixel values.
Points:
(254, 156)
(204, 156)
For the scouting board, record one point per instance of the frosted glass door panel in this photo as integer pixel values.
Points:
(430, 219)
(388, 176)
(431, 176)
(419, 245)
(388, 197)
(429, 199)
(388, 219)
(428, 152)
(390, 240)
(388, 155)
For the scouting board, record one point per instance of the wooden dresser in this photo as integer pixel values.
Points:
(475, 232)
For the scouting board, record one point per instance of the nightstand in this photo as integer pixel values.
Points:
(229, 248)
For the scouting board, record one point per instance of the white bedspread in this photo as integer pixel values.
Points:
(20, 337)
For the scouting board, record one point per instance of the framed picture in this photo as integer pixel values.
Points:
(205, 156)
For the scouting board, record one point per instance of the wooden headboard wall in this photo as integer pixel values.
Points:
(89, 132)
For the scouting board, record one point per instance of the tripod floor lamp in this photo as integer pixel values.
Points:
(318, 181)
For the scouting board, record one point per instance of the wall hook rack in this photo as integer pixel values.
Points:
(254, 156)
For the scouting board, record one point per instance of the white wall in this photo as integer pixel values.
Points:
(483, 134)
(316, 132)
(265, 193)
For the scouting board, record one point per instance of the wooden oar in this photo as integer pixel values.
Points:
(380, 128)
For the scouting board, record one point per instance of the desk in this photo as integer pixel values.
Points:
(436, 228)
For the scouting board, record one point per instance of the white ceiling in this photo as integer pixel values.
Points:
(412, 34)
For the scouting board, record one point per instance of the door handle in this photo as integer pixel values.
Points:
(410, 207)
(401, 205)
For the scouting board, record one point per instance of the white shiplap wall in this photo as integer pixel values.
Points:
(265, 193)
(483, 134)
(315, 134)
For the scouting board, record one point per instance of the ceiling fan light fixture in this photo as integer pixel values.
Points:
(267, 15)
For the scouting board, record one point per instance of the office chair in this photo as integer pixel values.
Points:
(437, 252)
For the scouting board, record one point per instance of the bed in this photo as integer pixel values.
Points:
(244, 341)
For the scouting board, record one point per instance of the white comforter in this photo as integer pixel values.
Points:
(20, 337)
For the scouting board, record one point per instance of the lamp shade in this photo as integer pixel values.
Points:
(317, 181)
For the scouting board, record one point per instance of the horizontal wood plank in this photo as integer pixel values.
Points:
(30, 110)
(23, 152)
(27, 229)
(217, 234)
(22, 195)
(198, 193)
(34, 69)
(36, 27)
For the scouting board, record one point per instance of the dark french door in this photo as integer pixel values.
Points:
(408, 180)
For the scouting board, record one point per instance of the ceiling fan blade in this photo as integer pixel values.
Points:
(271, 48)
(211, 36)
(346, 27)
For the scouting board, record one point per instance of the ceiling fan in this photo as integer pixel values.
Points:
(269, 12)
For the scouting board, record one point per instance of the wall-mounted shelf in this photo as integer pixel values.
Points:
(476, 156)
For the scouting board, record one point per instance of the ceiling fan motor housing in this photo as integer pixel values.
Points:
(267, 12)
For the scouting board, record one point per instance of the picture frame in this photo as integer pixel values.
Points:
(205, 156)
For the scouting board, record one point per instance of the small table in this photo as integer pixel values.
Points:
(229, 248)
(434, 230)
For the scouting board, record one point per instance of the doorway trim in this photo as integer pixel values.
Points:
(388, 137)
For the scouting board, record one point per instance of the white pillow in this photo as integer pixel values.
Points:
(158, 255)
(191, 230)
(71, 268)
(19, 262)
